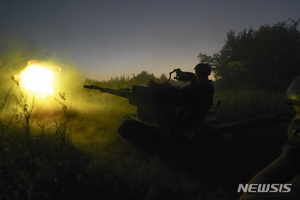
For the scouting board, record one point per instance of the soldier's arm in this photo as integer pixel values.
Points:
(280, 171)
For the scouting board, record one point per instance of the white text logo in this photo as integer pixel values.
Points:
(276, 187)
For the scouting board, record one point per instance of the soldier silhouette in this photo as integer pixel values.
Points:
(196, 98)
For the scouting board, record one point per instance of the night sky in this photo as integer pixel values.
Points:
(113, 37)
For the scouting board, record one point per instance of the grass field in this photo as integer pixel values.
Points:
(72, 150)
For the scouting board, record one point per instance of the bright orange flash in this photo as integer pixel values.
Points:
(36, 78)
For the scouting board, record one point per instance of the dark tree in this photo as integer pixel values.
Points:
(268, 57)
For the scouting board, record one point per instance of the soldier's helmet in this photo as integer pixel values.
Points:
(293, 92)
(203, 69)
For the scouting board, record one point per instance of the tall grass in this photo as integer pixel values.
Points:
(247, 104)
(46, 164)
(80, 156)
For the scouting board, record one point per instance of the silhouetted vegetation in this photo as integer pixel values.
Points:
(72, 151)
(264, 58)
(40, 161)
(126, 82)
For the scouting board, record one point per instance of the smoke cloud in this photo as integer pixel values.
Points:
(93, 117)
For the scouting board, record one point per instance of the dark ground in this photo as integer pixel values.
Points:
(217, 164)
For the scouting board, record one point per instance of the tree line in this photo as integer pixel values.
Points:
(268, 57)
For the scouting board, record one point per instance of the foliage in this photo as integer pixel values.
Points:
(45, 168)
(267, 57)
(70, 161)
(52, 164)
(42, 162)
(126, 82)
(250, 104)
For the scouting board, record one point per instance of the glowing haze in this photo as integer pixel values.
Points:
(36, 79)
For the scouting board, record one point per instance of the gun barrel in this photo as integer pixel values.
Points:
(121, 93)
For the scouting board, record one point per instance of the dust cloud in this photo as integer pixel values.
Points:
(91, 117)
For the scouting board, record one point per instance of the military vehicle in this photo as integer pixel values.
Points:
(154, 125)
